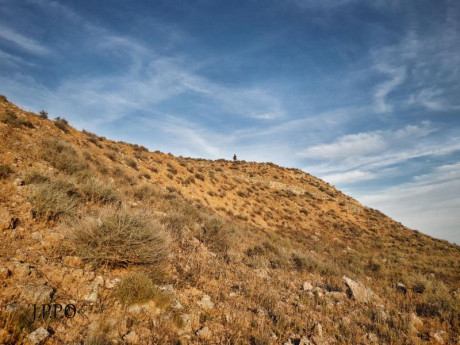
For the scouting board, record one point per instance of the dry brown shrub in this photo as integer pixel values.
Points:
(120, 237)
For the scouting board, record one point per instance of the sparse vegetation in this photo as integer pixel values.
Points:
(131, 163)
(62, 124)
(137, 288)
(119, 238)
(254, 252)
(10, 118)
(63, 156)
(99, 191)
(5, 170)
(54, 199)
(43, 114)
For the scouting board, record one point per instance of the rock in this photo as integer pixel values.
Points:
(415, 321)
(318, 292)
(5, 219)
(372, 338)
(4, 272)
(5, 337)
(19, 182)
(204, 333)
(93, 295)
(317, 330)
(110, 283)
(37, 294)
(37, 336)
(36, 236)
(307, 286)
(131, 338)
(358, 291)
(401, 288)
(186, 324)
(437, 336)
(72, 261)
(99, 281)
(206, 303)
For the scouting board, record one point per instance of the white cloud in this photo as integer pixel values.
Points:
(397, 77)
(23, 42)
(349, 177)
(347, 146)
(430, 202)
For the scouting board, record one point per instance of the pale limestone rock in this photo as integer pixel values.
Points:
(437, 337)
(307, 286)
(37, 293)
(204, 333)
(317, 330)
(72, 261)
(206, 302)
(93, 295)
(99, 281)
(36, 236)
(110, 283)
(401, 287)
(37, 336)
(415, 321)
(358, 291)
(131, 338)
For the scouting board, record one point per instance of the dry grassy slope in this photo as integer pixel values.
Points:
(286, 227)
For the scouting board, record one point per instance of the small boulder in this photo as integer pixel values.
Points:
(358, 291)
(37, 336)
(307, 286)
(36, 236)
(131, 338)
(437, 337)
(206, 302)
(401, 288)
(72, 261)
(37, 293)
(204, 333)
(317, 330)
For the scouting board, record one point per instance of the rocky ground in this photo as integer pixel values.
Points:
(153, 248)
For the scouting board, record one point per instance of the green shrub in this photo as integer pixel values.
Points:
(119, 238)
(43, 114)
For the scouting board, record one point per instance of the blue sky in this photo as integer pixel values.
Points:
(363, 94)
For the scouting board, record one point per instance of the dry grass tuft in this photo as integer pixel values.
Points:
(62, 124)
(137, 288)
(100, 192)
(119, 237)
(63, 156)
(5, 170)
(54, 199)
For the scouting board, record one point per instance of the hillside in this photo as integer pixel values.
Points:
(153, 248)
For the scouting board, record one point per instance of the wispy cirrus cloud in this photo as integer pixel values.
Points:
(430, 202)
(23, 42)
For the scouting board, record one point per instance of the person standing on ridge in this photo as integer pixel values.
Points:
(234, 157)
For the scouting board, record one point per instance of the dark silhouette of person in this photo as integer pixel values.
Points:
(234, 157)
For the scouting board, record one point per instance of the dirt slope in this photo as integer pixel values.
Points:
(153, 248)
